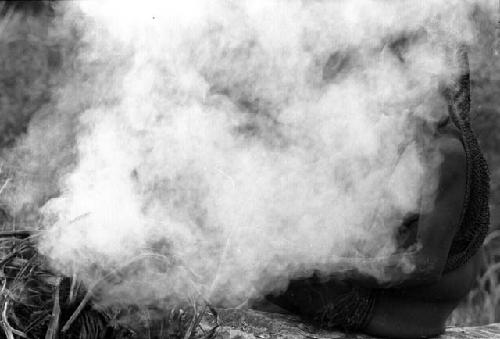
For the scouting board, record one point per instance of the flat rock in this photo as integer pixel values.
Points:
(253, 324)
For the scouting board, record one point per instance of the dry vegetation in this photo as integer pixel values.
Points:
(37, 303)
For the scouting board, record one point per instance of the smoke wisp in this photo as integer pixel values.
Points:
(225, 147)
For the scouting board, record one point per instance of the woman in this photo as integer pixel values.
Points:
(417, 304)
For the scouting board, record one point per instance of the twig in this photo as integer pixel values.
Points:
(4, 185)
(79, 309)
(56, 312)
(9, 330)
(493, 235)
(16, 233)
(72, 290)
(490, 271)
(243, 305)
(78, 218)
(6, 329)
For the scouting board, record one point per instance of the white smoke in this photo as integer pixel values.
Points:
(226, 146)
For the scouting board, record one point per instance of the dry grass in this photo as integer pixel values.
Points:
(482, 305)
(36, 302)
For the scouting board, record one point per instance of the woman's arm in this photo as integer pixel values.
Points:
(436, 229)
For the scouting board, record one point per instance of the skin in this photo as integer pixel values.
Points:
(421, 311)
(435, 228)
(411, 304)
(418, 305)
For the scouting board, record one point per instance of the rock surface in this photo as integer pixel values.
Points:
(252, 324)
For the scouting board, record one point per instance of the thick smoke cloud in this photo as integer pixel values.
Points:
(224, 147)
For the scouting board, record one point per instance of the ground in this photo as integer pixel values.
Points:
(250, 324)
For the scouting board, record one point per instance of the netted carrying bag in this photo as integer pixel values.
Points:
(475, 219)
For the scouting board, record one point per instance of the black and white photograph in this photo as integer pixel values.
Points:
(249, 169)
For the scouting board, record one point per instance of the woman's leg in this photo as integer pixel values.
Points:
(397, 317)
(421, 311)
(398, 313)
(452, 286)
